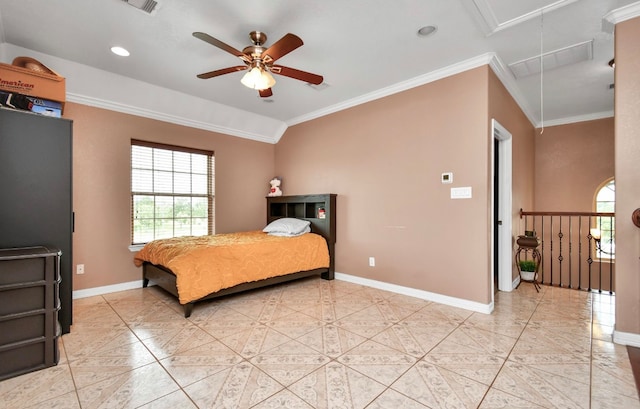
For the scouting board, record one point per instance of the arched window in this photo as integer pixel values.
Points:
(606, 202)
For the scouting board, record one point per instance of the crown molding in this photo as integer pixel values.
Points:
(278, 128)
(495, 63)
(619, 15)
(98, 88)
(579, 118)
(396, 88)
(491, 59)
(161, 116)
(505, 76)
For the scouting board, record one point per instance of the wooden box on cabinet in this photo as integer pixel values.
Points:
(29, 305)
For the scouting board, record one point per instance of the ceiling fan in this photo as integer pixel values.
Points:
(260, 61)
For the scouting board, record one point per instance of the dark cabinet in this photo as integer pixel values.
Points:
(36, 191)
(29, 295)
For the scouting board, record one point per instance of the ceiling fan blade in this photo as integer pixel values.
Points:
(264, 93)
(281, 48)
(222, 71)
(225, 47)
(297, 74)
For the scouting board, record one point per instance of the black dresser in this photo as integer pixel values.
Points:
(29, 305)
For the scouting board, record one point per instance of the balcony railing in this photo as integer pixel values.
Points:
(572, 256)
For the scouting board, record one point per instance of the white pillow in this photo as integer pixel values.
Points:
(283, 234)
(287, 225)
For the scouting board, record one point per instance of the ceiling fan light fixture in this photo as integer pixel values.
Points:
(258, 78)
(259, 62)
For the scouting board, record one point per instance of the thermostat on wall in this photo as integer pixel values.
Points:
(447, 177)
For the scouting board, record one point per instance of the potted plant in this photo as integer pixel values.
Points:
(527, 269)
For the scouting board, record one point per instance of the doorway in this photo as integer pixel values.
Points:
(497, 221)
(502, 212)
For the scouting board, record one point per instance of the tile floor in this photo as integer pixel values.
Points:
(321, 344)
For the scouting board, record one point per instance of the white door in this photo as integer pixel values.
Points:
(502, 216)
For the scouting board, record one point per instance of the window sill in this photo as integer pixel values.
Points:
(134, 248)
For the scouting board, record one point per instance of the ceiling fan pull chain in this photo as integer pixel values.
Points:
(542, 71)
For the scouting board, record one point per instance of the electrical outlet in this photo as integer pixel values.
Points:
(80, 269)
(372, 261)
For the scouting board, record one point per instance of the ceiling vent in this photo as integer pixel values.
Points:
(554, 59)
(148, 6)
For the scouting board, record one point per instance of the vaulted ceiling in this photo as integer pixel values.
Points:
(364, 49)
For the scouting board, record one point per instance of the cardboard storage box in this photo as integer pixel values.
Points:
(32, 83)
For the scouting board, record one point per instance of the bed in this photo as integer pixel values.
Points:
(198, 268)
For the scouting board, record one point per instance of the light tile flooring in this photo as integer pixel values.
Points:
(334, 344)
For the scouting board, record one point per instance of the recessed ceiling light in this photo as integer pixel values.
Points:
(427, 31)
(120, 51)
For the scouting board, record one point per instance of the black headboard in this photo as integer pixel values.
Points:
(319, 209)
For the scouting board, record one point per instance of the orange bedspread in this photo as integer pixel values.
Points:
(206, 264)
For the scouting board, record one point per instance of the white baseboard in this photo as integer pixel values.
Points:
(90, 292)
(626, 338)
(412, 292)
(516, 282)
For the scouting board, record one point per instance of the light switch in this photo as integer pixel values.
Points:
(447, 177)
(461, 192)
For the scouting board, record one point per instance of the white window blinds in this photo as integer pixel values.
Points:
(171, 191)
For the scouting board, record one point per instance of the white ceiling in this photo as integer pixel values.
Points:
(363, 48)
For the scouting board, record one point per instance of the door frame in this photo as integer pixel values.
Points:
(505, 246)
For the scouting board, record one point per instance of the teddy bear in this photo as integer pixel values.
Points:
(275, 187)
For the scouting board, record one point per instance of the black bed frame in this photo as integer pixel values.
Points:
(319, 209)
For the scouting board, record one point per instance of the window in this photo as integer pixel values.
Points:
(606, 203)
(171, 191)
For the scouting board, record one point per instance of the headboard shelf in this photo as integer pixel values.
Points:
(319, 209)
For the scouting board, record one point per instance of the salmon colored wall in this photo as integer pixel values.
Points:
(101, 186)
(627, 152)
(572, 162)
(504, 109)
(384, 159)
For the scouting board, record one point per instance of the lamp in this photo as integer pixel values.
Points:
(596, 234)
(258, 77)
